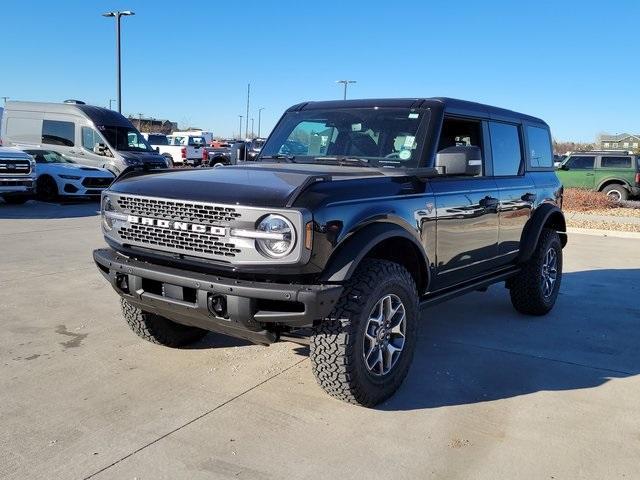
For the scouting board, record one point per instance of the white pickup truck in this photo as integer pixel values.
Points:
(179, 149)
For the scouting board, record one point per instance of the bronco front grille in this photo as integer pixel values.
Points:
(187, 241)
(178, 210)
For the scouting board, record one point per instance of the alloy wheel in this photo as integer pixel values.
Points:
(384, 336)
(549, 272)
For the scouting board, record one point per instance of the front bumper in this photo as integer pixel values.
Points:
(187, 297)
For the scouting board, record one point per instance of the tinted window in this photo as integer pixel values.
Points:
(158, 140)
(615, 162)
(539, 147)
(505, 148)
(580, 163)
(90, 137)
(55, 132)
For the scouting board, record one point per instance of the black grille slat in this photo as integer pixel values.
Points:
(177, 239)
(178, 210)
(97, 182)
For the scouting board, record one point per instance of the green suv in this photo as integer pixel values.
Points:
(617, 174)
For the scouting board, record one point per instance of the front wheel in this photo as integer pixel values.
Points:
(535, 288)
(362, 352)
(46, 189)
(157, 329)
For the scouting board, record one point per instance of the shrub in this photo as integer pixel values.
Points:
(582, 200)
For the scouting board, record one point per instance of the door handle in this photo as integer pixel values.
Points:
(589, 174)
(529, 197)
(488, 202)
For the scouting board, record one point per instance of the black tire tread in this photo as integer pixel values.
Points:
(333, 340)
(157, 329)
(524, 287)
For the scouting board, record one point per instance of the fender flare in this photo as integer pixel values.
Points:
(620, 181)
(348, 254)
(544, 214)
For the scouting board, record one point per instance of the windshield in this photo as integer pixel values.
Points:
(384, 137)
(124, 139)
(48, 156)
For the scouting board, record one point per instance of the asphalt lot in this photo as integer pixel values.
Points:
(491, 394)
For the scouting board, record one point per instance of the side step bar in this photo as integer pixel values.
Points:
(477, 284)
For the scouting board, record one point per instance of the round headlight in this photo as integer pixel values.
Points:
(107, 222)
(280, 238)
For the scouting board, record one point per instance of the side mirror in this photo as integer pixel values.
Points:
(564, 167)
(463, 160)
(99, 148)
(158, 149)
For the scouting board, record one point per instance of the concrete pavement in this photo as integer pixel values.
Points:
(491, 394)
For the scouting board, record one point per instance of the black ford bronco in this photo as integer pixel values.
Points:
(356, 214)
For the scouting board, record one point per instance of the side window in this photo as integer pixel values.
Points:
(615, 162)
(539, 147)
(581, 163)
(460, 132)
(505, 149)
(55, 132)
(90, 138)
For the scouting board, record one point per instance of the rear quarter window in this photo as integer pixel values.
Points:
(540, 152)
(616, 162)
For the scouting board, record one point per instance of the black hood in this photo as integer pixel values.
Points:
(145, 157)
(259, 185)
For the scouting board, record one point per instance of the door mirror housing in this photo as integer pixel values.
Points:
(461, 160)
(564, 167)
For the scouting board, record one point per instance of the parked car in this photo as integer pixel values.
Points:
(184, 149)
(86, 134)
(58, 175)
(17, 175)
(617, 174)
(158, 142)
(208, 136)
(216, 156)
(246, 150)
(390, 205)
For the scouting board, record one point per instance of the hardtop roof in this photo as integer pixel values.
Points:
(452, 105)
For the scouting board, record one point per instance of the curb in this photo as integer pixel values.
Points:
(603, 233)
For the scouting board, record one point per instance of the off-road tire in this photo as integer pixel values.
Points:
(157, 329)
(337, 341)
(526, 287)
(622, 192)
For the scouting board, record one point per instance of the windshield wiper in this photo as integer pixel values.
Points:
(279, 156)
(362, 162)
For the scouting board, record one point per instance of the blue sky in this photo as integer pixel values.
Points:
(573, 63)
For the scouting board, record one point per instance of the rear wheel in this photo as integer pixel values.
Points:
(157, 329)
(46, 189)
(535, 288)
(362, 352)
(616, 192)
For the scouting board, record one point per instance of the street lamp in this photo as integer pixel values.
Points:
(252, 131)
(111, 100)
(117, 16)
(259, 114)
(345, 83)
(240, 134)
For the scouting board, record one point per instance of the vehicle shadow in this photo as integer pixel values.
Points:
(478, 349)
(35, 210)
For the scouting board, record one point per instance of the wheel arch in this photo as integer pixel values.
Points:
(546, 215)
(612, 181)
(382, 240)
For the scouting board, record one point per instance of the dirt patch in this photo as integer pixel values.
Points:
(459, 443)
(76, 338)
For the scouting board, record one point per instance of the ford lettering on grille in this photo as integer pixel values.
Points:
(175, 225)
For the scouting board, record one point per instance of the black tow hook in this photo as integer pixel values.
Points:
(217, 305)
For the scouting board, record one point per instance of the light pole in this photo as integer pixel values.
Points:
(259, 114)
(240, 134)
(246, 128)
(117, 16)
(252, 131)
(5, 99)
(111, 100)
(345, 83)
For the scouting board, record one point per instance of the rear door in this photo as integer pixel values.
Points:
(578, 172)
(619, 168)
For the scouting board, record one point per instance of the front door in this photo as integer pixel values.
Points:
(578, 172)
(467, 227)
